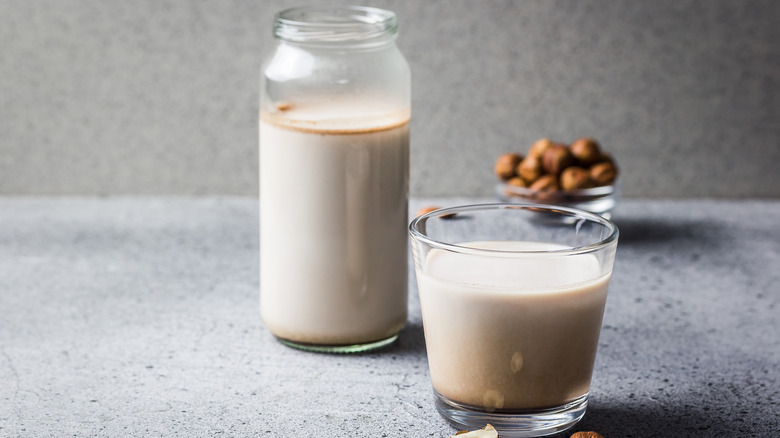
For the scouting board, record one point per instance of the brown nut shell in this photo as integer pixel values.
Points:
(589, 434)
(546, 183)
(586, 150)
(517, 182)
(514, 182)
(431, 208)
(556, 158)
(575, 178)
(530, 169)
(539, 147)
(603, 174)
(506, 165)
(606, 158)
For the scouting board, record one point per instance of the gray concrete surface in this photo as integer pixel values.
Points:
(160, 97)
(139, 317)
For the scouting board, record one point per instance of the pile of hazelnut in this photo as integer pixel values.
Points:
(550, 166)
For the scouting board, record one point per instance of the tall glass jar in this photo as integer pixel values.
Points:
(334, 171)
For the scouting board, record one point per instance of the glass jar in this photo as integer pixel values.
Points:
(334, 178)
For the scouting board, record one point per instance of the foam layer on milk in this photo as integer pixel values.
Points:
(342, 116)
(514, 267)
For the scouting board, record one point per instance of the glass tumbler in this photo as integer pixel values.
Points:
(512, 299)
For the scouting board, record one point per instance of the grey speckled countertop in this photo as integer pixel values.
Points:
(139, 317)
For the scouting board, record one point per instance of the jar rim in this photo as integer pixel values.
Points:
(335, 26)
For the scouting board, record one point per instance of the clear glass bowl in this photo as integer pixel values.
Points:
(599, 200)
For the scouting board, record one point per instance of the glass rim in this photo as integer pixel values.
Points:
(610, 240)
(335, 25)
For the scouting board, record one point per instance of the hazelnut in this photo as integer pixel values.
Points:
(556, 158)
(586, 435)
(431, 208)
(538, 148)
(575, 178)
(530, 169)
(546, 183)
(605, 158)
(512, 183)
(517, 182)
(424, 210)
(603, 174)
(284, 106)
(506, 165)
(586, 151)
(486, 432)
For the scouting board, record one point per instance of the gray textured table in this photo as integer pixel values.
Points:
(139, 317)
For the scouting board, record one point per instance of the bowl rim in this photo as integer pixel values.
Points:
(593, 191)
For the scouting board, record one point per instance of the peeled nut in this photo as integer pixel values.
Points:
(538, 148)
(586, 435)
(586, 151)
(486, 432)
(575, 178)
(546, 183)
(506, 165)
(530, 169)
(556, 158)
(603, 174)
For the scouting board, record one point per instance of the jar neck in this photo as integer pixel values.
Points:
(336, 27)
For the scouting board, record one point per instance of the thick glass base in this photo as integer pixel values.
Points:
(348, 348)
(529, 423)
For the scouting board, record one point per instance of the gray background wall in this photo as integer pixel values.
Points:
(160, 97)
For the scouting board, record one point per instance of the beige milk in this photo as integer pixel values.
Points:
(511, 333)
(333, 202)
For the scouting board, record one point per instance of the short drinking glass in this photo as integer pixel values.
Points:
(512, 300)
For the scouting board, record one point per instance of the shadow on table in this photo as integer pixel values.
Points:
(662, 421)
(411, 341)
(651, 232)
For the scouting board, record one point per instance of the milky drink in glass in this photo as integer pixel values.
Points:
(512, 299)
(527, 329)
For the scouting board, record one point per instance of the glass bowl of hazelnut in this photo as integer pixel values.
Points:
(579, 175)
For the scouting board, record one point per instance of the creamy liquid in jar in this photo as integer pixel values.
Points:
(333, 202)
(511, 333)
